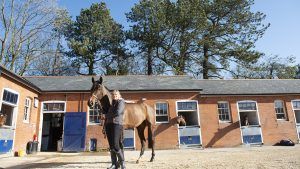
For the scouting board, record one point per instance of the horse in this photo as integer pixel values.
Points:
(3, 118)
(180, 120)
(136, 115)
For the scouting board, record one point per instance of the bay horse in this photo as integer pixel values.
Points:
(2, 119)
(136, 115)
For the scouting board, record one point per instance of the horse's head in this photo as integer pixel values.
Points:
(180, 120)
(97, 92)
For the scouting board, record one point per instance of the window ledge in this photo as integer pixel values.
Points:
(6, 127)
(26, 122)
(94, 124)
(281, 119)
(225, 122)
(163, 122)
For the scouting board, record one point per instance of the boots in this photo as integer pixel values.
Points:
(113, 157)
(121, 159)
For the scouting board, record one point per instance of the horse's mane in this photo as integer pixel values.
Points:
(106, 100)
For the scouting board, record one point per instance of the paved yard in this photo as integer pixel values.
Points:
(235, 158)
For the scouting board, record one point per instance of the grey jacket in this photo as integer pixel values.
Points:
(115, 112)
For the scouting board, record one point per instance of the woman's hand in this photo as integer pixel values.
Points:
(102, 116)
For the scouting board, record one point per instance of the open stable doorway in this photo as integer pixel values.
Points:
(52, 131)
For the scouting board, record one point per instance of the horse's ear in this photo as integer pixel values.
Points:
(93, 80)
(101, 79)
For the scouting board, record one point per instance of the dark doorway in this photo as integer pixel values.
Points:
(52, 130)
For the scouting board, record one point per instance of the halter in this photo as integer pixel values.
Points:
(97, 101)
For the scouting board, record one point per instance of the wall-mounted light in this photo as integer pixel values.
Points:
(36, 102)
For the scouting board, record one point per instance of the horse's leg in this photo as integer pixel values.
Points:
(151, 140)
(141, 129)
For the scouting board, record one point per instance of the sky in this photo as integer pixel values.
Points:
(282, 37)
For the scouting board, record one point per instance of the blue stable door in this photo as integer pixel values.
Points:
(74, 131)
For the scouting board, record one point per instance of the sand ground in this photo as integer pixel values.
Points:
(231, 158)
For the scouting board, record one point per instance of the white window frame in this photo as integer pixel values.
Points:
(162, 102)
(295, 109)
(42, 116)
(15, 107)
(15, 111)
(284, 112)
(8, 103)
(27, 110)
(44, 111)
(197, 110)
(89, 122)
(229, 112)
(257, 112)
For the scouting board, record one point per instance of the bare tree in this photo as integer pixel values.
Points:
(25, 31)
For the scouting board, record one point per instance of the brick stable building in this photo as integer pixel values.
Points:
(219, 113)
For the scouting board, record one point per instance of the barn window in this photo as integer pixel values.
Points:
(8, 106)
(224, 112)
(279, 109)
(27, 110)
(188, 109)
(94, 114)
(162, 114)
(248, 113)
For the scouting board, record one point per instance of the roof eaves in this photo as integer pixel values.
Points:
(18, 78)
(249, 94)
(151, 90)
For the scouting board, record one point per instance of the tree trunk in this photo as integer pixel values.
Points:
(149, 63)
(205, 62)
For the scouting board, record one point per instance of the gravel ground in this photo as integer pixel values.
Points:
(231, 158)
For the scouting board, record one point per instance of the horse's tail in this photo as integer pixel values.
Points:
(150, 135)
(150, 124)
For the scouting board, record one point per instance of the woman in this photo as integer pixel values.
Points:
(114, 129)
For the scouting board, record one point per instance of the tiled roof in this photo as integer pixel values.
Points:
(123, 83)
(249, 86)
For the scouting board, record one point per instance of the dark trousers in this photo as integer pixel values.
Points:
(114, 134)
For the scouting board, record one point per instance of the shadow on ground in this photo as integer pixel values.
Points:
(58, 165)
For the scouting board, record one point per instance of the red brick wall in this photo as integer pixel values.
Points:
(216, 134)
(24, 131)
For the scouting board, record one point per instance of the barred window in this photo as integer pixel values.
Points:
(279, 109)
(162, 114)
(224, 112)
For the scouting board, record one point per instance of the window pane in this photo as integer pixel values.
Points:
(279, 109)
(278, 104)
(296, 104)
(54, 106)
(280, 116)
(223, 109)
(247, 106)
(161, 109)
(162, 118)
(10, 97)
(187, 105)
(94, 114)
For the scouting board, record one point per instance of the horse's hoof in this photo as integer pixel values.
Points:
(151, 160)
(137, 161)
